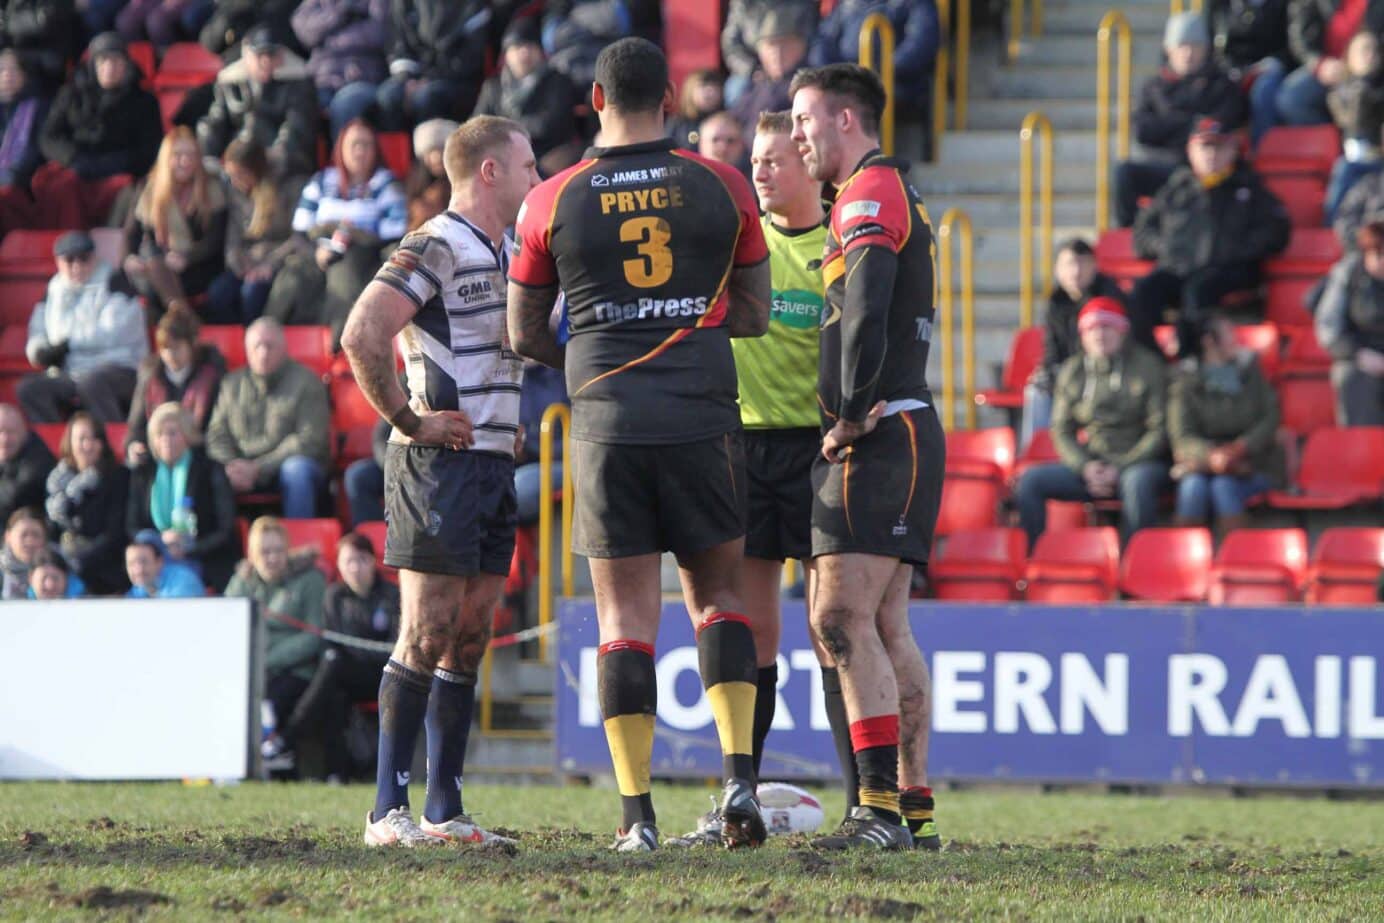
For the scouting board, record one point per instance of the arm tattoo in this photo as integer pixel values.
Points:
(530, 334)
(747, 314)
(368, 341)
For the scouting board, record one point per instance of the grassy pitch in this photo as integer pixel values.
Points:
(252, 851)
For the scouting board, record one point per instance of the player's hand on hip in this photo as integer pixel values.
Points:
(836, 444)
(450, 428)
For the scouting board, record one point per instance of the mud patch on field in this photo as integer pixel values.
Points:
(263, 847)
(101, 823)
(273, 897)
(877, 908)
(228, 904)
(32, 839)
(107, 898)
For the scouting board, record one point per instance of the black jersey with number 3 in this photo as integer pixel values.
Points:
(642, 240)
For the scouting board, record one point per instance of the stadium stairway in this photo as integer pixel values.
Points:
(978, 170)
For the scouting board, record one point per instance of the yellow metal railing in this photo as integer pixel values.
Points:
(956, 223)
(878, 26)
(1114, 22)
(1034, 123)
(963, 64)
(1016, 24)
(1177, 7)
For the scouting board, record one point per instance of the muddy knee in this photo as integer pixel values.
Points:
(833, 627)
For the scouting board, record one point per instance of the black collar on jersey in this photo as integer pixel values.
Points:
(643, 147)
(792, 232)
(483, 237)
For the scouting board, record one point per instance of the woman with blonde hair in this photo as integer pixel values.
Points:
(259, 226)
(703, 93)
(183, 495)
(175, 237)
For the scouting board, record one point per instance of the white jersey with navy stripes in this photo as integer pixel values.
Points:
(456, 349)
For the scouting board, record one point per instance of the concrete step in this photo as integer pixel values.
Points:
(991, 211)
(937, 181)
(1081, 49)
(1049, 81)
(975, 147)
(1008, 115)
(1084, 18)
(509, 757)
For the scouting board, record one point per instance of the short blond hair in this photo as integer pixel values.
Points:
(474, 140)
(774, 123)
(261, 527)
(172, 410)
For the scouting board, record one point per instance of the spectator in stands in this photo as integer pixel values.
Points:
(781, 47)
(185, 498)
(740, 39)
(542, 388)
(102, 131)
(22, 112)
(1350, 326)
(363, 479)
(701, 95)
(1249, 39)
(361, 605)
(427, 189)
(536, 96)
(265, 96)
(287, 584)
(269, 427)
(26, 535)
(1078, 281)
(45, 32)
(51, 577)
(722, 137)
(86, 504)
(161, 22)
(917, 34)
(181, 371)
(1358, 207)
(347, 212)
(259, 226)
(1114, 390)
(175, 236)
(233, 20)
(346, 43)
(1318, 32)
(436, 61)
(24, 463)
(1190, 85)
(1223, 426)
(153, 575)
(575, 31)
(87, 337)
(1209, 227)
(1357, 106)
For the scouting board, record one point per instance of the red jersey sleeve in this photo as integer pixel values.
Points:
(872, 211)
(532, 262)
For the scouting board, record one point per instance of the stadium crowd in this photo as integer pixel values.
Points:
(221, 210)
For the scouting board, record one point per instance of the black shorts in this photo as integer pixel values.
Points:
(778, 467)
(448, 512)
(643, 499)
(883, 499)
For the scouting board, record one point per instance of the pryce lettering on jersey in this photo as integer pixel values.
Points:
(639, 200)
(608, 312)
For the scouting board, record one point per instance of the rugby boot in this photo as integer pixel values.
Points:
(396, 829)
(863, 828)
(642, 837)
(462, 829)
(742, 823)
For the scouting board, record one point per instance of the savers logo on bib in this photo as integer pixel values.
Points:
(796, 308)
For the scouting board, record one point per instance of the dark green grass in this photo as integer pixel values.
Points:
(174, 852)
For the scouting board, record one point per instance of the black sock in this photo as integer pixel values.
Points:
(726, 656)
(403, 703)
(628, 691)
(841, 733)
(879, 781)
(765, 700)
(916, 805)
(450, 703)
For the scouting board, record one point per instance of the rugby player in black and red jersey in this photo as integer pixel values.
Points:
(662, 260)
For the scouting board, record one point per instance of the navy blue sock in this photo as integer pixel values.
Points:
(403, 702)
(450, 704)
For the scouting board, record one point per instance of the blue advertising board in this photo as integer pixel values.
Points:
(1145, 694)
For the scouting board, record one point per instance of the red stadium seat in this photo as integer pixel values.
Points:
(1263, 339)
(1073, 565)
(186, 65)
(321, 534)
(353, 421)
(51, 434)
(28, 254)
(1167, 565)
(1306, 403)
(1302, 196)
(1309, 254)
(142, 55)
(396, 149)
(981, 453)
(229, 340)
(1116, 258)
(310, 345)
(170, 101)
(1283, 303)
(375, 531)
(1340, 468)
(1345, 567)
(12, 342)
(9, 388)
(984, 564)
(968, 503)
(1025, 354)
(1040, 451)
(1256, 566)
(1298, 151)
(1304, 355)
(115, 435)
(691, 37)
(18, 298)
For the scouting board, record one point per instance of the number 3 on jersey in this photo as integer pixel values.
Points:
(654, 266)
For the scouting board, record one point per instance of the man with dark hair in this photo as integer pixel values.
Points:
(449, 468)
(25, 462)
(878, 480)
(1350, 326)
(662, 260)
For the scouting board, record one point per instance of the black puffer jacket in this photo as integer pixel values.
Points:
(543, 103)
(103, 132)
(439, 39)
(374, 617)
(1189, 227)
(44, 32)
(1244, 32)
(1169, 104)
(233, 18)
(281, 115)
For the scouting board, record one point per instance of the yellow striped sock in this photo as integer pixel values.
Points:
(880, 800)
(631, 739)
(732, 704)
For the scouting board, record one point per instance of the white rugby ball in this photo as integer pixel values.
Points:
(789, 809)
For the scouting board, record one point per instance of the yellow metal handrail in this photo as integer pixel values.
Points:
(1113, 21)
(1177, 7)
(878, 25)
(1016, 24)
(940, 68)
(957, 223)
(1034, 122)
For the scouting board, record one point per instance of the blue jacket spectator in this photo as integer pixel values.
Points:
(51, 578)
(22, 112)
(153, 576)
(917, 34)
